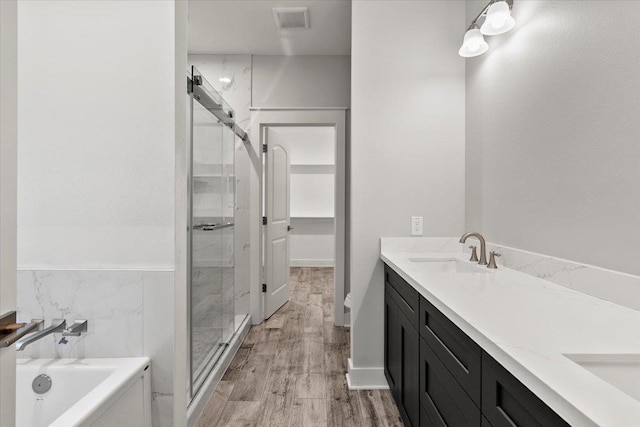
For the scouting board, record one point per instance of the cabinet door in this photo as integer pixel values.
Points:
(404, 295)
(402, 351)
(459, 353)
(506, 402)
(444, 402)
(392, 345)
(409, 390)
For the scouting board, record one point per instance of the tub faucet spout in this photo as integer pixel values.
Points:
(57, 325)
(483, 245)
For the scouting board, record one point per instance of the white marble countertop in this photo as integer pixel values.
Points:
(528, 324)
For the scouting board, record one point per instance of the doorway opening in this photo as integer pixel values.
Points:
(303, 199)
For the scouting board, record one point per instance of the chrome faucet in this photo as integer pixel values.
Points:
(57, 325)
(483, 245)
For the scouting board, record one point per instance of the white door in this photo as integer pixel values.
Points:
(277, 191)
(8, 188)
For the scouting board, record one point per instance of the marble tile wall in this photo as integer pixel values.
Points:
(614, 286)
(212, 310)
(130, 313)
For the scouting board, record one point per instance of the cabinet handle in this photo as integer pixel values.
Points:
(443, 345)
(501, 411)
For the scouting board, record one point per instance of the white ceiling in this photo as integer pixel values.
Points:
(247, 27)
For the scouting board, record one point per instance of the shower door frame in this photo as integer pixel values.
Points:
(200, 94)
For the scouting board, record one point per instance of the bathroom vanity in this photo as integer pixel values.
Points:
(441, 377)
(469, 346)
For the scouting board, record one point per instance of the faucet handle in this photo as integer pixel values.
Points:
(474, 254)
(75, 330)
(492, 259)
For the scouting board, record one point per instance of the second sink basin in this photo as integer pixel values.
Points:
(448, 265)
(620, 370)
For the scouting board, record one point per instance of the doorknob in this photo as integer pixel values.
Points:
(10, 331)
(289, 228)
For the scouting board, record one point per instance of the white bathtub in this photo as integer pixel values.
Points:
(85, 392)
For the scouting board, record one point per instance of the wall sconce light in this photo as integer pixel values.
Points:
(497, 20)
(473, 44)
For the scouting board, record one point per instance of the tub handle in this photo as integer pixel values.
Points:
(76, 329)
(10, 331)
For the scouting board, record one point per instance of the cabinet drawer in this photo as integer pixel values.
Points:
(443, 401)
(459, 353)
(507, 402)
(407, 298)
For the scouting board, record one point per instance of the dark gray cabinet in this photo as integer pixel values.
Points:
(440, 377)
(506, 402)
(392, 344)
(402, 351)
(444, 401)
(458, 353)
(407, 298)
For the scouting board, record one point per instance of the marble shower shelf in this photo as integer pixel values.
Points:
(212, 175)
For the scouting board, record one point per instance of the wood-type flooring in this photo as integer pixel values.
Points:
(290, 370)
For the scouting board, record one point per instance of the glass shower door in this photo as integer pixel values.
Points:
(228, 188)
(211, 238)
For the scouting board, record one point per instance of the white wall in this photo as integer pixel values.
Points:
(312, 182)
(101, 89)
(407, 149)
(312, 242)
(301, 81)
(8, 185)
(96, 129)
(553, 160)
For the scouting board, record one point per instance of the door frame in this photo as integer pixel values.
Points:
(262, 118)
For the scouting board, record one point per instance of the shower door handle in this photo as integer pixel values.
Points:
(213, 227)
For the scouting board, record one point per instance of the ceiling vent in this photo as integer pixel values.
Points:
(291, 18)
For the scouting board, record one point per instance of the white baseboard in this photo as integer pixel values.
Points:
(366, 378)
(312, 263)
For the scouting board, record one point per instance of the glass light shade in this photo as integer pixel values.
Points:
(498, 20)
(473, 44)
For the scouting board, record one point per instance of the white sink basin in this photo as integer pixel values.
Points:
(448, 265)
(620, 370)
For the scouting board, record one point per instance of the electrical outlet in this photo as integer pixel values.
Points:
(416, 226)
